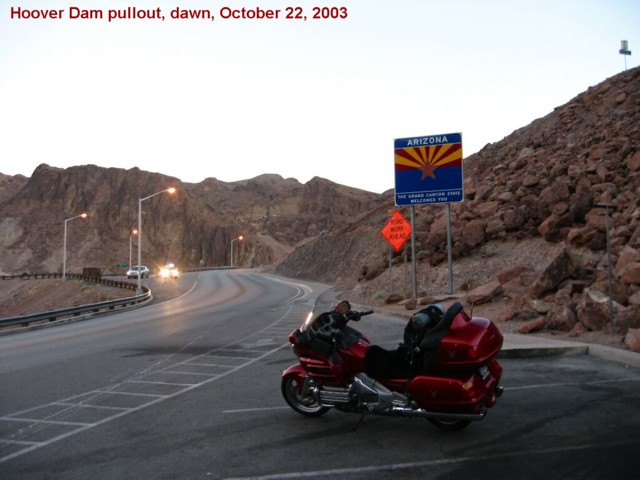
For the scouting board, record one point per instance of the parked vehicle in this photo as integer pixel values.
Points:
(136, 270)
(453, 380)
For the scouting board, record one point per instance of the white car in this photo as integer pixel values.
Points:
(133, 272)
(169, 271)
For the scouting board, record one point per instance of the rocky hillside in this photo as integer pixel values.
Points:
(532, 228)
(192, 228)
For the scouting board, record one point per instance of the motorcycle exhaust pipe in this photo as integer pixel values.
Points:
(409, 412)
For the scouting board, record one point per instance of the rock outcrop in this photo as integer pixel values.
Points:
(193, 227)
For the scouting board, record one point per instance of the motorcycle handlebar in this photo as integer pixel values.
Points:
(355, 315)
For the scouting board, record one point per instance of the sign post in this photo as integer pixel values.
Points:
(397, 231)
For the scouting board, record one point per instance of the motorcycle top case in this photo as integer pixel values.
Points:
(468, 342)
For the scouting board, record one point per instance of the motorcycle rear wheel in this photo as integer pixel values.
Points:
(301, 402)
(449, 425)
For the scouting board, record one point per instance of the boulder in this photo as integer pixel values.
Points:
(633, 162)
(563, 296)
(627, 256)
(508, 313)
(627, 318)
(409, 304)
(558, 269)
(561, 318)
(533, 326)
(540, 306)
(634, 299)
(585, 236)
(426, 300)
(514, 218)
(631, 273)
(510, 274)
(485, 293)
(593, 309)
(632, 339)
(393, 298)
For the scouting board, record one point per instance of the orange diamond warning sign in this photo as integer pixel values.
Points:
(396, 231)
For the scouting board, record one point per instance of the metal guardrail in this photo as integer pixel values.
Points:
(66, 313)
(56, 315)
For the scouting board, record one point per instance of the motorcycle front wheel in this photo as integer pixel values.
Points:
(301, 402)
(449, 425)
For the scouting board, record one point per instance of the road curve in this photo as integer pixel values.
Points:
(53, 378)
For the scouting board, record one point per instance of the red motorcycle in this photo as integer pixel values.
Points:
(452, 379)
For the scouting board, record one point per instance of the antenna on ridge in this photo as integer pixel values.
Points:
(624, 50)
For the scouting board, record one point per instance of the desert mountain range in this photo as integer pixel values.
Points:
(540, 209)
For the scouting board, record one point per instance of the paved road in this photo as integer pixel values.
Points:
(189, 389)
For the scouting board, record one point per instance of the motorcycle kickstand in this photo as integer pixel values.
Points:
(359, 422)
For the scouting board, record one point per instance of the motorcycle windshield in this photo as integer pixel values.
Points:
(325, 302)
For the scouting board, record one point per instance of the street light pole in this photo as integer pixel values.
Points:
(140, 200)
(133, 232)
(239, 238)
(64, 245)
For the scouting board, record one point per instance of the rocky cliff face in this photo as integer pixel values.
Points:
(10, 186)
(192, 228)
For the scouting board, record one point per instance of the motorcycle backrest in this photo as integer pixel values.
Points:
(431, 341)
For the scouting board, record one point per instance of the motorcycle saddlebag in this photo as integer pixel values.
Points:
(455, 392)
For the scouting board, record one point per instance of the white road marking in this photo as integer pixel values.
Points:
(33, 433)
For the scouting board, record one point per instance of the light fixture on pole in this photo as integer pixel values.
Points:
(140, 200)
(133, 232)
(235, 239)
(64, 245)
(624, 50)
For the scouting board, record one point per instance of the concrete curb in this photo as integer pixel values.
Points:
(543, 351)
(625, 357)
(522, 346)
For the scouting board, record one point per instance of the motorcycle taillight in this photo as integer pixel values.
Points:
(472, 353)
(472, 388)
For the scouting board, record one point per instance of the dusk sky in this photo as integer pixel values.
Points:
(236, 98)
